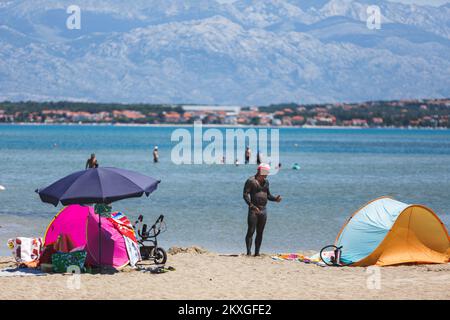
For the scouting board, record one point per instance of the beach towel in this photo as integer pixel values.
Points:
(314, 259)
(133, 251)
(26, 251)
(123, 225)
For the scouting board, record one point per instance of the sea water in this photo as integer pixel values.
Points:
(340, 170)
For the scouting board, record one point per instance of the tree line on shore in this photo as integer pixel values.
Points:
(399, 113)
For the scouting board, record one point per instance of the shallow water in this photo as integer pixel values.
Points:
(340, 171)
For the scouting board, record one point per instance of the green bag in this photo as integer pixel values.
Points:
(102, 209)
(61, 260)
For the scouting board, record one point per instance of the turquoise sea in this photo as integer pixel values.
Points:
(341, 169)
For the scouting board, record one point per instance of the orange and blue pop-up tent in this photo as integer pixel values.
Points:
(388, 232)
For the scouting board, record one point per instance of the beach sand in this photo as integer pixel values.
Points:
(214, 276)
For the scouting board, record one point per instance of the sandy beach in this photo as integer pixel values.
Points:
(214, 276)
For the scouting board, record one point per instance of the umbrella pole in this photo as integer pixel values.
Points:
(100, 241)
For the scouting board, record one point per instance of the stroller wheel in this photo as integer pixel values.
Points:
(160, 255)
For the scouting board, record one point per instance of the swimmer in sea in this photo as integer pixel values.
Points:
(92, 162)
(155, 155)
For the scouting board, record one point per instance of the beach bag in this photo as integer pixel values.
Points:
(103, 210)
(62, 260)
(26, 251)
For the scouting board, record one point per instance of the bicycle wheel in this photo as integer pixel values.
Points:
(328, 261)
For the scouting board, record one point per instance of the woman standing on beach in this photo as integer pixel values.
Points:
(256, 194)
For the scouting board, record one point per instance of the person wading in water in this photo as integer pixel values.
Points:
(155, 155)
(92, 162)
(248, 154)
(256, 194)
(258, 158)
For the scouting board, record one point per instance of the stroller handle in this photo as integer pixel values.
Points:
(143, 233)
(139, 220)
(159, 220)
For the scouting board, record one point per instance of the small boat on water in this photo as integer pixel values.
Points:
(2, 188)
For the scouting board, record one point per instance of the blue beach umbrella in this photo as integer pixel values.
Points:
(98, 185)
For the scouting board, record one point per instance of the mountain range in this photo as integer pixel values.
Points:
(247, 52)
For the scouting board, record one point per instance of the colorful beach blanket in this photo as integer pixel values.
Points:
(123, 225)
(315, 259)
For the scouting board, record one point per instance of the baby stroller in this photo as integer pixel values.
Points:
(151, 251)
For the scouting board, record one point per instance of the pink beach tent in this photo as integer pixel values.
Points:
(80, 223)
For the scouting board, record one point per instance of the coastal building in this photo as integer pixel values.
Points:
(377, 121)
(211, 108)
(171, 117)
(230, 119)
(297, 120)
(359, 122)
(128, 114)
(286, 121)
(325, 119)
(276, 122)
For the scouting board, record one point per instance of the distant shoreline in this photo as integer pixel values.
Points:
(183, 125)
